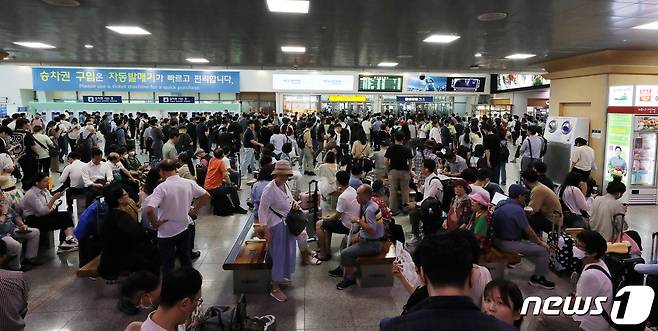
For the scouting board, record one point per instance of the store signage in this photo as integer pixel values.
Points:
(646, 95)
(415, 99)
(620, 96)
(151, 80)
(426, 83)
(380, 83)
(347, 98)
(465, 84)
(617, 152)
(175, 99)
(633, 110)
(102, 99)
(328, 83)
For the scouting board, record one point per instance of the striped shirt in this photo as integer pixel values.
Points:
(13, 301)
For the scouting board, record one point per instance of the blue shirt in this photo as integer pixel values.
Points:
(509, 220)
(256, 193)
(355, 182)
(7, 227)
(444, 313)
(374, 219)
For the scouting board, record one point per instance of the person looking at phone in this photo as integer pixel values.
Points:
(40, 211)
(14, 232)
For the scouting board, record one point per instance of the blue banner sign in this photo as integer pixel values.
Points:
(148, 80)
(175, 99)
(102, 99)
(414, 99)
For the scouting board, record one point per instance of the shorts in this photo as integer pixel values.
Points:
(335, 227)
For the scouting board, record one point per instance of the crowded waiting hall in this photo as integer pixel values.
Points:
(328, 165)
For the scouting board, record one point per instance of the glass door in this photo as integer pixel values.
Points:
(643, 168)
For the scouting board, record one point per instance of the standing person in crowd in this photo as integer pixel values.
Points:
(608, 213)
(37, 120)
(120, 133)
(169, 151)
(17, 235)
(546, 214)
(157, 138)
(503, 300)
(249, 144)
(169, 211)
(511, 226)
(40, 211)
(23, 149)
(73, 133)
(530, 149)
(491, 144)
(264, 178)
(309, 154)
(275, 205)
(582, 158)
(15, 294)
(432, 188)
(398, 161)
(42, 149)
(277, 139)
(184, 143)
(446, 267)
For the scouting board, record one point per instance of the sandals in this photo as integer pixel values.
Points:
(314, 261)
(278, 295)
(316, 255)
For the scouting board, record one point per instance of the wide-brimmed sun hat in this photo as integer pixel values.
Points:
(282, 167)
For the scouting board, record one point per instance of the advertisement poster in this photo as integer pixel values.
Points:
(301, 82)
(617, 153)
(646, 95)
(423, 83)
(517, 81)
(620, 96)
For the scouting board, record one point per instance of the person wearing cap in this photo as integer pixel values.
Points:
(510, 226)
(275, 204)
(582, 158)
(460, 212)
(482, 221)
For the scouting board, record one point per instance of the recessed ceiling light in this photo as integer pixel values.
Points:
(387, 64)
(288, 6)
(478, 54)
(128, 30)
(441, 38)
(197, 60)
(489, 17)
(519, 56)
(90, 46)
(293, 49)
(648, 26)
(33, 44)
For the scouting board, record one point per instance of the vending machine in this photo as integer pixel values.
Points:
(560, 133)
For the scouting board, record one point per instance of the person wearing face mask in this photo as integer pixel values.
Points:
(608, 212)
(141, 290)
(594, 282)
(503, 300)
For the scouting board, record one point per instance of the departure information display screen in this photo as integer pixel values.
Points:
(380, 83)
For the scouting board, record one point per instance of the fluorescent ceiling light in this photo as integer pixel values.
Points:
(288, 6)
(388, 64)
(33, 44)
(441, 38)
(128, 30)
(197, 60)
(519, 56)
(293, 49)
(478, 54)
(648, 26)
(90, 46)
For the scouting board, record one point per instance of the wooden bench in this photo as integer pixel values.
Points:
(90, 269)
(377, 270)
(496, 261)
(248, 261)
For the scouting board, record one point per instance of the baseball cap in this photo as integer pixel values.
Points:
(515, 190)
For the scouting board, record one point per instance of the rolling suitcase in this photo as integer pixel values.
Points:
(310, 202)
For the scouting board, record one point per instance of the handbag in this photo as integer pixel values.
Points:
(295, 221)
(52, 151)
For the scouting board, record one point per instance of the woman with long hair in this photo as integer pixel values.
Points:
(187, 169)
(574, 203)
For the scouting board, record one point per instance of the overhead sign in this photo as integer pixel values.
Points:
(347, 98)
(465, 84)
(151, 80)
(620, 96)
(102, 99)
(415, 99)
(426, 83)
(506, 82)
(646, 95)
(380, 83)
(175, 99)
(327, 83)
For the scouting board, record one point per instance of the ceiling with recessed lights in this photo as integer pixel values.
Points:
(336, 34)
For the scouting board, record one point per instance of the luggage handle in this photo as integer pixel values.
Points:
(316, 186)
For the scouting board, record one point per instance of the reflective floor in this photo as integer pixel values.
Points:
(61, 301)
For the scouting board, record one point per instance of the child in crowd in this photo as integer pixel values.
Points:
(503, 300)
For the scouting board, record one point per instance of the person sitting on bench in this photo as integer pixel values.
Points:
(218, 183)
(13, 231)
(71, 178)
(40, 212)
(368, 241)
(95, 175)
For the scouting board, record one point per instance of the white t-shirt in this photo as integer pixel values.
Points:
(435, 134)
(278, 140)
(348, 206)
(42, 152)
(583, 156)
(366, 126)
(227, 162)
(173, 199)
(594, 283)
(149, 325)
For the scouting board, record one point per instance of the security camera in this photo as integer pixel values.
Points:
(421, 77)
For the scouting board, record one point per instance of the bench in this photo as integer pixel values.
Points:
(377, 270)
(90, 269)
(496, 261)
(248, 261)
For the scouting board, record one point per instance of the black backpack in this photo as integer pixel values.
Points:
(448, 194)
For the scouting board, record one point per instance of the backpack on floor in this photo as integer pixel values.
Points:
(233, 318)
(561, 258)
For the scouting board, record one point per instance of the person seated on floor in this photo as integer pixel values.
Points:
(41, 212)
(446, 267)
(141, 290)
(14, 295)
(511, 226)
(546, 213)
(339, 222)
(180, 297)
(503, 300)
(482, 222)
(125, 243)
(356, 177)
(17, 234)
(218, 184)
(95, 175)
(130, 161)
(368, 241)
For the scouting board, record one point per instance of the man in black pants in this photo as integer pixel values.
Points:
(23, 143)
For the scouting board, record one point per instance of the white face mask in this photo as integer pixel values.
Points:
(578, 253)
(148, 307)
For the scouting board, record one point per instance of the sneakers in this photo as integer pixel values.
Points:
(345, 283)
(69, 245)
(337, 273)
(240, 210)
(64, 250)
(541, 282)
(195, 255)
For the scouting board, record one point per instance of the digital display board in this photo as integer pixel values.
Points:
(426, 83)
(506, 82)
(380, 83)
(465, 84)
